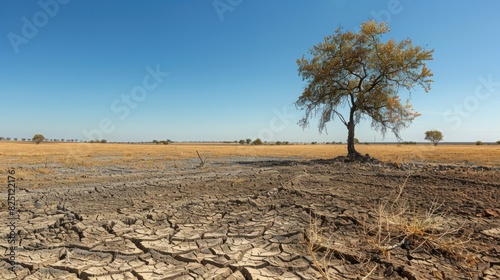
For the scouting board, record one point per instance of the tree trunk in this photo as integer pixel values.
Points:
(351, 151)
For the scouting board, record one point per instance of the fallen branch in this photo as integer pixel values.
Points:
(392, 247)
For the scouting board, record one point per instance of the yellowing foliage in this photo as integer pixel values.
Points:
(366, 75)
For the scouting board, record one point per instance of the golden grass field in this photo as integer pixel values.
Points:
(97, 154)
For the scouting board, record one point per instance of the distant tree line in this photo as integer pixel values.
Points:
(164, 142)
(99, 141)
(249, 141)
(434, 136)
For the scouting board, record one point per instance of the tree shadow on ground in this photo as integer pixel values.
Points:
(340, 159)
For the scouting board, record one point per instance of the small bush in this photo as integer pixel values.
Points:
(38, 138)
(242, 142)
(479, 143)
(409, 143)
(257, 142)
(498, 142)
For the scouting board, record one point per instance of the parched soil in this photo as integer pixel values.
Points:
(257, 219)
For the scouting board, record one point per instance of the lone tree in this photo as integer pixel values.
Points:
(434, 136)
(364, 74)
(38, 138)
(257, 142)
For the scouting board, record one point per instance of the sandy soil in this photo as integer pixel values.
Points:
(241, 218)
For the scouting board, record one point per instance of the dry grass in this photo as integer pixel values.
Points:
(396, 223)
(83, 154)
(428, 230)
(322, 250)
(85, 162)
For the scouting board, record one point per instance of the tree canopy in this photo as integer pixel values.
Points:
(359, 72)
(38, 138)
(434, 136)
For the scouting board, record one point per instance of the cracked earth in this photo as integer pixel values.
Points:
(240, 219)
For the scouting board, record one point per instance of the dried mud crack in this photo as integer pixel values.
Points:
(250, 220)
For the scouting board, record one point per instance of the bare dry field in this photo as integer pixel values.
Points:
(102, 154)
(123, 211)
(39, 160)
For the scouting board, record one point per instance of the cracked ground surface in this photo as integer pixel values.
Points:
(249, 220)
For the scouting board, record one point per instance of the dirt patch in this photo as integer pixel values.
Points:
(242, 219)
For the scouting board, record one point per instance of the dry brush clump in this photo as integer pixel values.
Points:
(400, 223)
(322, 250)
(394, 223)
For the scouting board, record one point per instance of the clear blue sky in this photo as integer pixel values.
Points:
(68, 67)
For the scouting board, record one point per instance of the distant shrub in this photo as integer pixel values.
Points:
(498, 142)
(249, 140)
(257, 142)
(314, 143)
(479, 143)
(38, 138)
(242, 142)
(356, 141)
(409, 143)
(104, 141)
(279, 143)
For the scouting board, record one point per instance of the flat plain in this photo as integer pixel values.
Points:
(144, 211)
